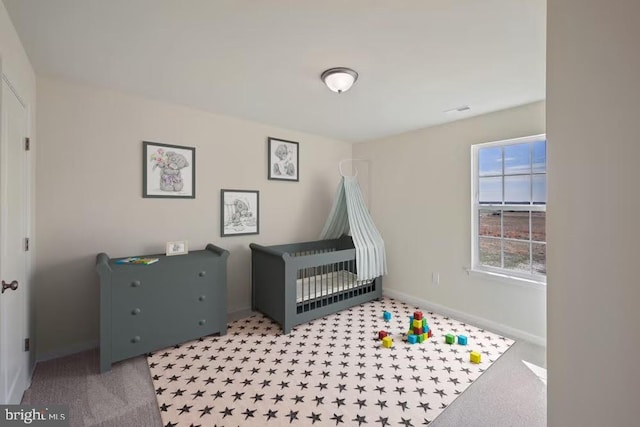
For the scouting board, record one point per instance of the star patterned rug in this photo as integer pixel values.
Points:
(329, 372)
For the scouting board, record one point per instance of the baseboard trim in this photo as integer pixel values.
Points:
(490, 325)
(68, 351)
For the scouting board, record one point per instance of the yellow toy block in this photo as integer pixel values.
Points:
(475, 357)
(417, 323)
(387, 342)
(426, 336)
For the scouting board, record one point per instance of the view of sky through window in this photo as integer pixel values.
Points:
(513, 174)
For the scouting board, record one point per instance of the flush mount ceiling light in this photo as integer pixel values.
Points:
(339, 79)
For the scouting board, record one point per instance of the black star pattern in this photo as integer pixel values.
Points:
(314, 417)
(205, 411)
(184, 409)
(360, 420)
(319, 374)
(248, 413)
(337, 418)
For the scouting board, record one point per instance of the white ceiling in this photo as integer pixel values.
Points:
(261, 59)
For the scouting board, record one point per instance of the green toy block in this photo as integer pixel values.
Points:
(421, 338)
(450, 338)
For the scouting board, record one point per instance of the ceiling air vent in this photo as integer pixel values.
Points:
(459, 109)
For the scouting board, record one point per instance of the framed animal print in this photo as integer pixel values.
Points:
(168, 171)
(284, 157)
(240, 212)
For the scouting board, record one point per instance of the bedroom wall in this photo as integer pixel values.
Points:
(592, 84)
(420, 194)
(89, 196)
(15, 65)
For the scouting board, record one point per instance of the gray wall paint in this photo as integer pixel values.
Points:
(593, 69)
(89, 196)
(420, 195)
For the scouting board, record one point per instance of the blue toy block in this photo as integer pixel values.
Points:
(462, 339)
(386, 316)
(412, 339)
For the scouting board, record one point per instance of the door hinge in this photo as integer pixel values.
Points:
(26, 244)
(27, 344)
(27, 144)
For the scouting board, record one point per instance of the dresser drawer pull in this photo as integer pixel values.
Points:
(202, 273)
(135, 339)
(202, 297)
(135, 283)
(135, 311)
(201, 322)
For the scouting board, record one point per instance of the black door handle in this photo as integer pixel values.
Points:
(13, 285)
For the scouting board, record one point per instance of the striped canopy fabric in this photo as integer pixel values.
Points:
(349, 215)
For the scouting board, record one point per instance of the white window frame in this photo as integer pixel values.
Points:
(498, 272)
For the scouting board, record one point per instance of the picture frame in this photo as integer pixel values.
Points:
(168, 171)
(180, 247)
(284, 160)
(239, 212)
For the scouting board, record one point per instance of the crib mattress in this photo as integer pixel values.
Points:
(322, 285)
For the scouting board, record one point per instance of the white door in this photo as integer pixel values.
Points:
(14, 360)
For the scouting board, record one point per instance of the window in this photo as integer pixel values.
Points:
(509, 198)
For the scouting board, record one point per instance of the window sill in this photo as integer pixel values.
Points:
(504, 278)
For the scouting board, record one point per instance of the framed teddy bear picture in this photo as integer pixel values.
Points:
(168, 171)
(283, 160)
(239, 212)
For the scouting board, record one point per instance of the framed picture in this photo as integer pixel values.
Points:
(240, 212)
(284, 157)
(177, 248)
(168, 171)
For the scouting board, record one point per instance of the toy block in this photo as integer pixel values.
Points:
(386, 316)
(475, 357)
(426, 328)
(421, 338)
(411, 319)
(416, 323)
(424, 322)
(412, 339)
(417, 315)
(382, 334)
(430, 333)
(418, 331)
(450, 338)
(426, 336)
(387, 342)
(462, 339)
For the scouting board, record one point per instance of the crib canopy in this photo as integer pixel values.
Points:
(349, 215)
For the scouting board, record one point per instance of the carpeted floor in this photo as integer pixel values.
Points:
(332, 371)
(122, 397)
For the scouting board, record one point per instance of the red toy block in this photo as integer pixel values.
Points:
(382, 334)
(418, 331)
(417, 315)
(430, 333)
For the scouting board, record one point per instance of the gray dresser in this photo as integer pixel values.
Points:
(149, 307)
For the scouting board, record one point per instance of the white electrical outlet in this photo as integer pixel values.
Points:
(435, 278)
